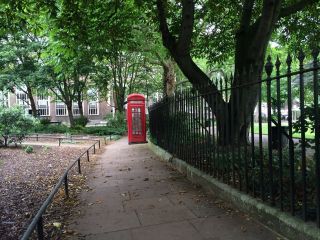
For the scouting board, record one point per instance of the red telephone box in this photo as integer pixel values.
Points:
(136, 118)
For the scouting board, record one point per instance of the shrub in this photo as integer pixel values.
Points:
(45, 121)
(39, 128)
(28, 149)
(103, 130)
(118, 122)
(14, 125)
(77, 129)
(81, 121)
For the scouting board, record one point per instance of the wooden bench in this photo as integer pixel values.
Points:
(55, 122)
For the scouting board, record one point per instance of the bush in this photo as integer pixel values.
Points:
(28, 149)
(14, 125)
(103, 130)
(118, 122)
(39, 128)
(81, 121)
(45, 121)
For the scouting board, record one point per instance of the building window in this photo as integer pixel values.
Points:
(93, 108)
(61, 109)
(75, 109)
(93, 104)
(22, 99)
(43, 105)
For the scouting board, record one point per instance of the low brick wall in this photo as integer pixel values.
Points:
(283, 223)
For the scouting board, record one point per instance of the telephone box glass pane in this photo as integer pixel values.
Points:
(136, 121)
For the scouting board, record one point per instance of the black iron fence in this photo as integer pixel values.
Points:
(262, 137)
(37, 222)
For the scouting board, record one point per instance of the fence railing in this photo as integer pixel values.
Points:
(37, 222)
(261, 137)
(68, 138)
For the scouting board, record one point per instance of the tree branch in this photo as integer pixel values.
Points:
(168, 39)
(246, 15)
(296, 7)
(186, 27)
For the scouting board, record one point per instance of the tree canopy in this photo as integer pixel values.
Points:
(99, 40)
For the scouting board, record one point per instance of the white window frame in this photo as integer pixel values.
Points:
(46, 110)
(75, 107)
(25, 102)
(91, 109)
(61, 109)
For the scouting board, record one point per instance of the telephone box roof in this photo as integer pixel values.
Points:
(135, 96)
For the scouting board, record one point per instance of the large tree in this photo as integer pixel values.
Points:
(20, 64)
(245, 27)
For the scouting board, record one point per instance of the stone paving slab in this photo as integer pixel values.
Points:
(135, 196)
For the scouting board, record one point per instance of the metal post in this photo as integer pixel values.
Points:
(99, 144)
(40, 229)
(315, 54)
(59, 142)
(252, 155)
(66, 188)
(261, 157)
(94, 148)
(278, 63)
(88, 159)
(79, 166)
(291, 143)
(301, 58)
(37, 137)
(268, 68)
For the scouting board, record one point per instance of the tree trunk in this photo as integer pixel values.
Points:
(79, 91)
(79, 102)
(169, 78)
(233, 114)
(70, 113)
(32, 102)
(119, 97)
(80, 107)
(5, 141)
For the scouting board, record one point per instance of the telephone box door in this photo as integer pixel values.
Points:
(136, 118)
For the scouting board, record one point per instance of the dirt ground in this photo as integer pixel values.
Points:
(26, 180)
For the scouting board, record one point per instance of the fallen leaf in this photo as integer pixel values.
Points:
(56, 224)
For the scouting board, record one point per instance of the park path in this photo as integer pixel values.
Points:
(135, 196)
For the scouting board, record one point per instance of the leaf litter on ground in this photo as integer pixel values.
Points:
(25, 182)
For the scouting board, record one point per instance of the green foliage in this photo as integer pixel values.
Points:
(309, 115)
(28, 149)
(103, 131)
(14, 125)
(98, 130)
(81, 121)
(117, 122)
(39, 128)
(45, 121)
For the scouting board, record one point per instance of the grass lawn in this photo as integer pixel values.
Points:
(309, 134)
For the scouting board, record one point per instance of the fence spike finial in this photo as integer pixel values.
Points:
(289, 60)
(278, 63)
(231, 79)
(269, 66)
(301, 56)
(315, 53)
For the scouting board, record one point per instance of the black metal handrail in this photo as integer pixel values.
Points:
(60, 139)
(37, 221)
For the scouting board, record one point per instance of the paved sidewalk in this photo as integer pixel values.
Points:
(135, 196)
